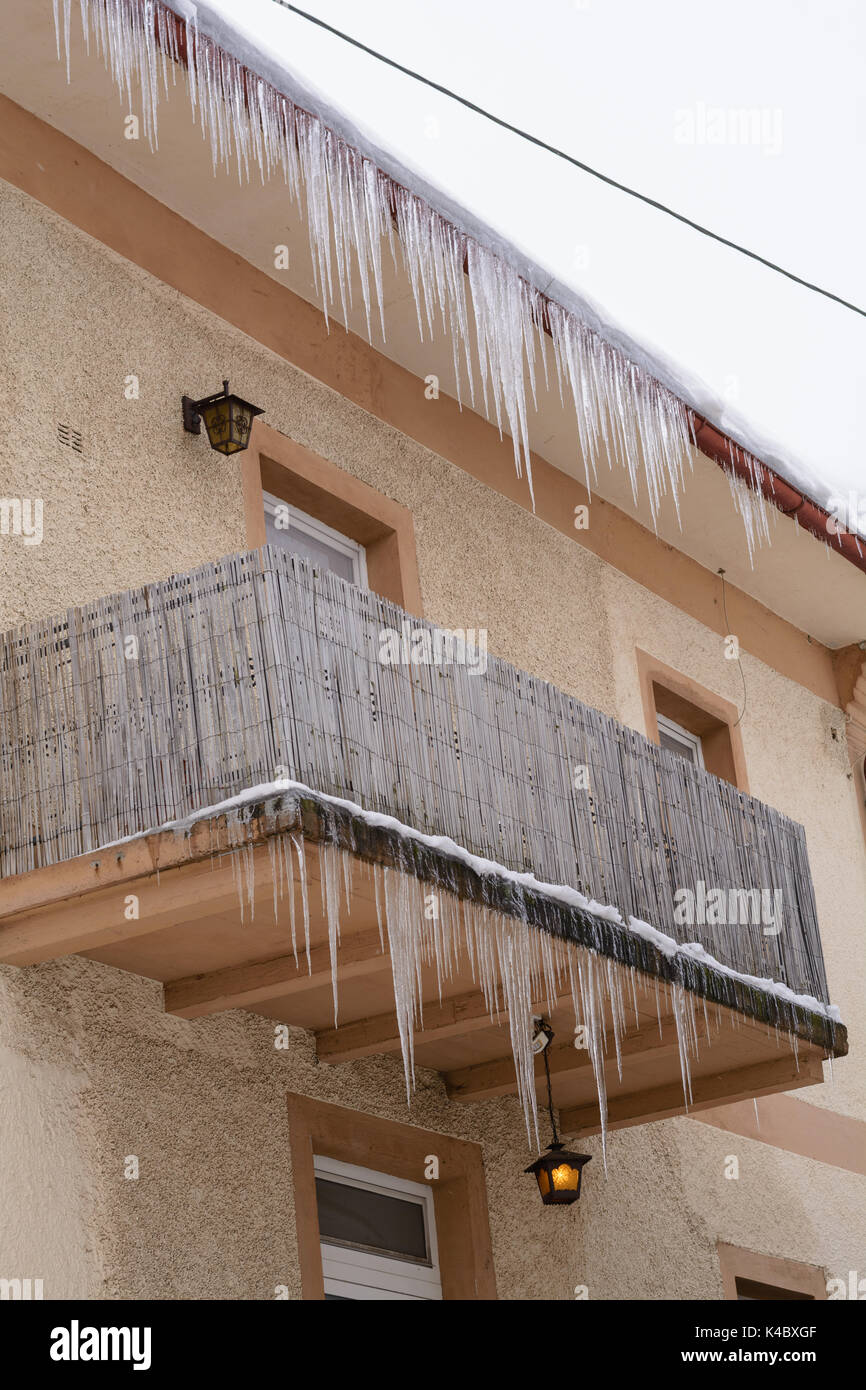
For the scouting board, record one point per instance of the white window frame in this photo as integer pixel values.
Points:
(684, 736)
(357, 1273)
(344, 545)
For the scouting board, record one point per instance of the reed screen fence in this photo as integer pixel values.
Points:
(139, 708)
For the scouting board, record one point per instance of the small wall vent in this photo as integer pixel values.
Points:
(71, 438)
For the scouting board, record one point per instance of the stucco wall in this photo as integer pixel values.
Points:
(93, 1070)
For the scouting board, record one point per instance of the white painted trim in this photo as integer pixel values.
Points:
(684, 736)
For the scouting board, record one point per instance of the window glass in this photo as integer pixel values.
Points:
(371, 1220)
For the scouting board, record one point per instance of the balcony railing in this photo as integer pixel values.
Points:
(142, 707)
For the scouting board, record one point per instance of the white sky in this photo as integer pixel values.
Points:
(609, 81)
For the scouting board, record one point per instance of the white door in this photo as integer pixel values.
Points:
(378, 1234)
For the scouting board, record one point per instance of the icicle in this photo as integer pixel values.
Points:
(286, 855)
(377, 889)
(752, 505)
(274, 845)
(302, 870)
(401, 945)
(347, 882)
(244, 873)
(683, 1012)
(329, 868)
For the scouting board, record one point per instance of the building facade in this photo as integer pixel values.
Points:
(154, 1155)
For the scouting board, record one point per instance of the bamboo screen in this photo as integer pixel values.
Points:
(142, 707)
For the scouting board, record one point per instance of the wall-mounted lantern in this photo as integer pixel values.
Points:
(558, 1172)
(227, 419)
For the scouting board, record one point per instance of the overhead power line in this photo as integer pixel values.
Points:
(570, 159)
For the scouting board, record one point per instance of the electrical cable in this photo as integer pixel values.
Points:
(739, 662)
(570, 159)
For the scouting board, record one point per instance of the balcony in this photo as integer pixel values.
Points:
(270, 790)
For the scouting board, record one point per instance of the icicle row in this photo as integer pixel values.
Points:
(517, 967)
(625, 417)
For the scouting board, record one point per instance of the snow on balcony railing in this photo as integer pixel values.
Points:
(143, 707)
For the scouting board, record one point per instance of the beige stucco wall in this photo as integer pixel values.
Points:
(92, 1070)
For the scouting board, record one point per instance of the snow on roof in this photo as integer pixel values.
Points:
(460, 205)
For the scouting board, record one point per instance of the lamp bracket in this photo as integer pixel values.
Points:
(542, 1034)
(191, 417)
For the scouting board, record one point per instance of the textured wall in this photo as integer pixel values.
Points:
(92, 1070)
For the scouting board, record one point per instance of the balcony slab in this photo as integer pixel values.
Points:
(209, 926)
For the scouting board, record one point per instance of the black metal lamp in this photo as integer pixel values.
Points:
(228, 419)
(558, 1172)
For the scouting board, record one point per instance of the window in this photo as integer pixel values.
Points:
(749, 1276)
(305, 535)
(679, 740)
(751, 1290)
(377, 1232)
(690, 720)
(358, 1148)
(351, 513)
